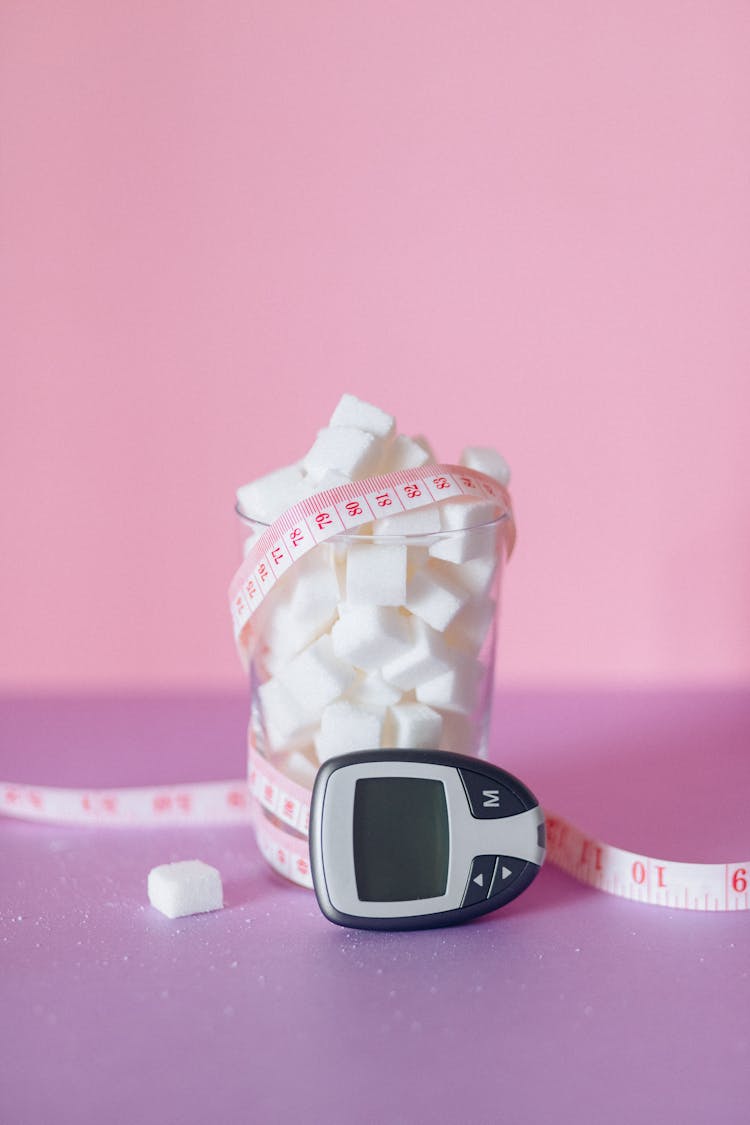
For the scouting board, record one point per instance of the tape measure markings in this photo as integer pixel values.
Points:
(268, 792)
(338, 510)
(208, 802)
(692, 886)
(705, 887)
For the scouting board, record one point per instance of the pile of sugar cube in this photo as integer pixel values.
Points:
(382, 636)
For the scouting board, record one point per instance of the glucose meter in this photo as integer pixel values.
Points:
(409, 839)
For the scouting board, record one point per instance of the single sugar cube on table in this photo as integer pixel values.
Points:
(376, 574)
(488, 461)
(186, 887)
(344, 449)
(353, 411)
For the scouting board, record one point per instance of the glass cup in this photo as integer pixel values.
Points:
(417, 675)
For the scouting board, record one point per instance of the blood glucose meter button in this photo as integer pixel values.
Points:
(480, 879)
(507, 871)
(490, 798)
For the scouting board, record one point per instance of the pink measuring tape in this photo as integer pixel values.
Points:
(278, 807)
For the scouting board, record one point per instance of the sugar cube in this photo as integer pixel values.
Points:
(330, 479)
(435, 596)
(404, 453)
(471, 624)
(267, 497)
(458, 514)
(376, 574)
(426, 657)
(282, 634)
(476, 575)
(345, 728)
(423, 443)
(371, 690)
(454, 690)
(283, 715)
(417, 557)
(415, 726)
(316, 593)
(418, 521)
(299, 768)
(352, 411)
(459, 733)
(186, 887)
(346, 450)
(471, 531)
(486, 460)
(316, 676)
(367, 636)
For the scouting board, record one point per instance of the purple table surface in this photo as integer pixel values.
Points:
(569, 1005)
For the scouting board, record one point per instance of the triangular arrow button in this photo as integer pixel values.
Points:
(507, 871)
(480, 877)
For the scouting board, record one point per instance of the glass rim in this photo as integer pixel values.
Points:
(393, 536)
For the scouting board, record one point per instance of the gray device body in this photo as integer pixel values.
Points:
(410, 839)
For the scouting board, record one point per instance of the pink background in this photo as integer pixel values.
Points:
(521, 224)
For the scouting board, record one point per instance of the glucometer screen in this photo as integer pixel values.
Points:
(401, 838)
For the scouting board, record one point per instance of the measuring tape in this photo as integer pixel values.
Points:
(344, 508)
(278, 807)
